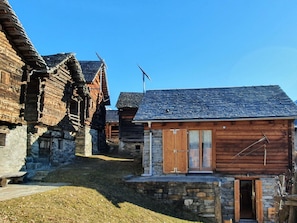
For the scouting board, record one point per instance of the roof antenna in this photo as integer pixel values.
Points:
(102, 60)
(144, 75)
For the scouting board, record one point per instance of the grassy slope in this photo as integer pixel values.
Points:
(96, 194)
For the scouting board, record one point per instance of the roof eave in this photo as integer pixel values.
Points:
(212, 120)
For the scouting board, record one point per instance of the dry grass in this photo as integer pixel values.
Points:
(96, 194)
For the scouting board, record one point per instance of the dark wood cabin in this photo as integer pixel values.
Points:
(55, 107)
(96, 78)
(18, 57)
(112, 126)
(130, 134)
(241, 137)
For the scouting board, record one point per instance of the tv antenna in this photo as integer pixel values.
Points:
(144, 75)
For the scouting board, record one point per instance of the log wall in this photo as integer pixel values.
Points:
(10, 82)
(232, 150)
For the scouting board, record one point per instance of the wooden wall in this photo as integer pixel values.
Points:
(50, 97)
(129, 132)
(10, 82)
(96, 98)
(232, 137)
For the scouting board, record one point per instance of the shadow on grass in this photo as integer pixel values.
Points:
(105, 174)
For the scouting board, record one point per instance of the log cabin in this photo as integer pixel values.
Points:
(112, 126)
(130, 134)
(94, 125)
(233, 141)
(56, 102)
(18, 57)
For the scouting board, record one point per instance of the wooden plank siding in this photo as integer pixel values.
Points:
(129, 132)
(232, 137)
(10, 82)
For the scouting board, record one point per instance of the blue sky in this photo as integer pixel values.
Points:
(180, 44)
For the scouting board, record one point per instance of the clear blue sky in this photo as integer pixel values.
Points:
(180, 44)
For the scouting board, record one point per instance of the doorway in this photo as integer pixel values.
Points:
(247, 199)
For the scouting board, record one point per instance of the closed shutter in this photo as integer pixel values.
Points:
(175, 151)
(236, 200)
(259, 203)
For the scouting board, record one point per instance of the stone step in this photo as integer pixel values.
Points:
(39, 175)
(247, 221)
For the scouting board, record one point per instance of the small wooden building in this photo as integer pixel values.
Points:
(56, 104)
(18, 58)
(239, 138)
(112, 126)
(94, 125)
(130, 134)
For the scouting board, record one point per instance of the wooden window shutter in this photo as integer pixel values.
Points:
(259, 203)
(175, 151)
(236, 200)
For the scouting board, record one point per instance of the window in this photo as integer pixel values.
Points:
(200, 150)
(2, 139)
(5, 77)
(187, 150)
(44, 147)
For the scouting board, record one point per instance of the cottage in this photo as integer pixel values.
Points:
(131, 134)
(112, 126)
(92, 139)
(55, 110)
(222, 147)
(18, 58)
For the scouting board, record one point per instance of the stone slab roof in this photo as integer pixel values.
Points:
(90, 69)
(52, 61)
(112, 116)
(230, 103)
(17, 36)
(129, 100)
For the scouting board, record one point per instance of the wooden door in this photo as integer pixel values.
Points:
(175, 151)
(236, 200)
(259, 202)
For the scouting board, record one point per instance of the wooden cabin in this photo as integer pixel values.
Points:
(130, 134)
(18, 57)
(239, 138)
(112, 126)
(56, 102)
(94, 126)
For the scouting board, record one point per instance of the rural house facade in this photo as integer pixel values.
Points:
(18, 58)
(218, 151)
(130, 134)
(92, 139)
(55, 110)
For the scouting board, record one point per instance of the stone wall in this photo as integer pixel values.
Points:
(85, 141)
(13, 154)
(133, 148)
(194, 200)
(61, 148)
(157, 153)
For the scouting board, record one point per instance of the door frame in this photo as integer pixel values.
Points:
(258, 198)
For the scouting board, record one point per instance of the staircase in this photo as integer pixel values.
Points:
(37, 169)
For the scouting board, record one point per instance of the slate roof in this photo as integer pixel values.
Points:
(254, 102)
(129, 100)
(18, 37)
(54, 61)
(112, 116)
(90, 69)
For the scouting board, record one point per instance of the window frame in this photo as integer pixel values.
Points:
(201, 148)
